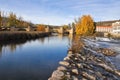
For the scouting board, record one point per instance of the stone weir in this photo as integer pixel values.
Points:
(86, 65)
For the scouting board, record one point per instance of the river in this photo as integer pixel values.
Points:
(33, 59)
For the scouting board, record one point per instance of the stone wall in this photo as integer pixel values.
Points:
(86, 65)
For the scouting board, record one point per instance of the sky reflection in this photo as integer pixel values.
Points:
(32, 60)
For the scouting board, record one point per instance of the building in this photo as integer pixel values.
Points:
(116, 28)
(104, 29)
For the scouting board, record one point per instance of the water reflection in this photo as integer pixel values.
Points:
(10, 46)
(13, 45)
(60, 36)
(42, 40)
(32, 60)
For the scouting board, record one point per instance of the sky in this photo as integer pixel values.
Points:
(60, 12)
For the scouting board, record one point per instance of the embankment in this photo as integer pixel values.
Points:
(87, 64)
(20, 35)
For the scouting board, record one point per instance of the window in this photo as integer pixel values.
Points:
(114, 28)
(119, 27)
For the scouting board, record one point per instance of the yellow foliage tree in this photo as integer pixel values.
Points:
(41, 28)
(85, 25)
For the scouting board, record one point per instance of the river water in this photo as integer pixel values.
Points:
(32, 60)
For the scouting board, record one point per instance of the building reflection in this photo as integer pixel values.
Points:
(60, 36)
(42, 40)
(68, 36)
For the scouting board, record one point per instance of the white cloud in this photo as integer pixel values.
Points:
(60, 12)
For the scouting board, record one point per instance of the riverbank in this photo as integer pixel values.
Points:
(19, 35)
(88, 64)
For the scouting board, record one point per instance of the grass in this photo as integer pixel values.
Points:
(77, 44)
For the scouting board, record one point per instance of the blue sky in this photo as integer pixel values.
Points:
(59, 12)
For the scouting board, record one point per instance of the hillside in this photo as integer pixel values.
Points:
(106, 23)
(19, 23)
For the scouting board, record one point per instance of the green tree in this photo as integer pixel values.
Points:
(19, 22)
(65, 27)
(25, 24)
(73, 25)
(12, 20)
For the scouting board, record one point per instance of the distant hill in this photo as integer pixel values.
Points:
(105, 23)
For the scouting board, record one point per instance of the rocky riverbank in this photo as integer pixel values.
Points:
(88, 64)
(20, 35)
(94, 45)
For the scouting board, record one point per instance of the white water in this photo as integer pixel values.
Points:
(106, 43)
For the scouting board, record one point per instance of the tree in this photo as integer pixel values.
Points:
(78, 27)
(65, 27)
(85, 25)
(73, 25)
(19, 22)
(12, 20)
(0, 19)
(41, 27)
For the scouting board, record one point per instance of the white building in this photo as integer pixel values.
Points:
(104, 29)
(116, 28)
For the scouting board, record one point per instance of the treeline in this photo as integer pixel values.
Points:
(21, 35)
(11, 20)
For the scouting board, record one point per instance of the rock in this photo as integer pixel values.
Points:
(88, 76)
(106, 67)
(75, 71)
(66, 58)
(69, 52)
(117, 72)
(76, 58)
(68, 76)
(73, 65)
(61, 68)
(98, 60)
(87, 65)
(64, 63)
(78, 55)
(84, 79)
(78, 65)
(83, 58)
(54, 78)
(57, 74)
(69, 55)
(68, 73)
(74, 78)
(98, 74)
(106, 51)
